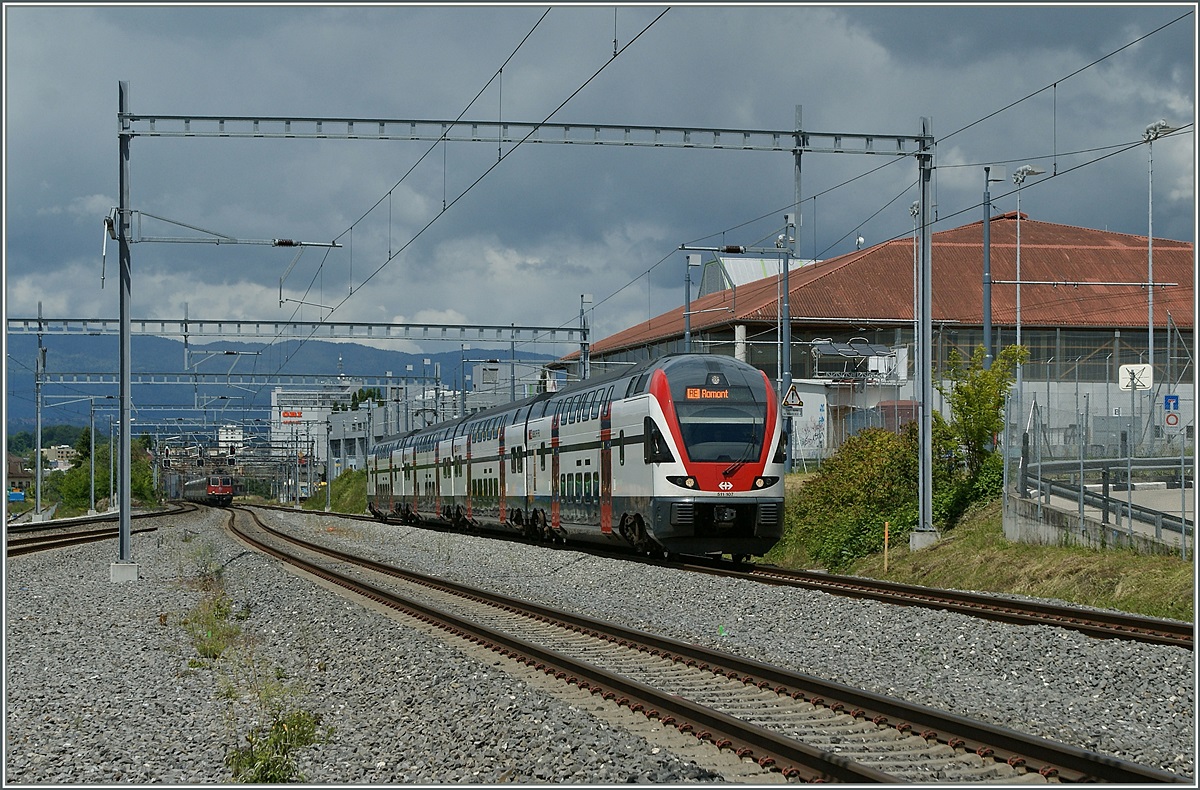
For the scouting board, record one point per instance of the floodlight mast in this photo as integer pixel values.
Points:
(1154, 131)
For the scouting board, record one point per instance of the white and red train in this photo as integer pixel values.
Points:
(680, 455)
(215, 489)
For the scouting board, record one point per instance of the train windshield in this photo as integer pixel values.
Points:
(722, 408)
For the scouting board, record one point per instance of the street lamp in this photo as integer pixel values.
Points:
(987, 263)
(1154, 131)
(784, 243)
(1019, 177)
(691, 260)
(462, 374)
(915, 211)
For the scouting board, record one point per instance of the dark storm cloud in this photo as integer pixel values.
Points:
(550, 222)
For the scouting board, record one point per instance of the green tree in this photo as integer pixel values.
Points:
(84, 448)
(73, 491)
(976, 396)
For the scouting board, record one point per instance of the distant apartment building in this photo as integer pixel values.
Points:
(59, 457)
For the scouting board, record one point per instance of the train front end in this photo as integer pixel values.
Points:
(715, 440)
(220, 490)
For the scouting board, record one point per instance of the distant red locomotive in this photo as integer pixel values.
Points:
(209, 490)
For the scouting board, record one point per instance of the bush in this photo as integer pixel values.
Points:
(840, 513)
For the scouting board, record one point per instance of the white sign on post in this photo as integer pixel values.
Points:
(1135, 377)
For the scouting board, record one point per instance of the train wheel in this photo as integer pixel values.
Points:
(540, 526)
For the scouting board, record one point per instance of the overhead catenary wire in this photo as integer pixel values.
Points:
(939, 219)
(392, 256)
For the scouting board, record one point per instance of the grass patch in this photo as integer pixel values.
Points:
(209, 626)
(976, 556)
(214, 627)
(269, 754)
(347, 495)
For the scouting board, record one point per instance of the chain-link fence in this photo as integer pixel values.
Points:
(1098, 463)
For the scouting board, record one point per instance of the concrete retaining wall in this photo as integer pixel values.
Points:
(1061, 528)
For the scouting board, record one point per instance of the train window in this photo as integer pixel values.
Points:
(654, 447)
(587, 487)
(597, 405)
(596, 485)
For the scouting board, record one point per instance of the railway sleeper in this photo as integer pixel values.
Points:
(921, 765)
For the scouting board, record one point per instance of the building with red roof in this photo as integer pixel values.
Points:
(1084, 311)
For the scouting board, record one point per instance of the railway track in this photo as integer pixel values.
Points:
(32, 537)
(57, 540)
(802, 726)
(1095, 623)
(25, 527)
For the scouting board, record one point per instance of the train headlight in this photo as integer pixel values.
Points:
(765, 482)
(682, 481)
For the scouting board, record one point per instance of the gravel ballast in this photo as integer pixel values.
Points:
(103, 684)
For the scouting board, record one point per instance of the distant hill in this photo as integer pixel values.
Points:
(70, 354)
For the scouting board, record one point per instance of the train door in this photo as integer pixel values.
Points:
(502, 515)
(437, 477)
(514, 439)
(459, 479)
(469, 478)
(555, 471)
(413, 479)
(606, 514)
(537, 463)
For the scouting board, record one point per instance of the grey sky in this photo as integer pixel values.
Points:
(552, 222)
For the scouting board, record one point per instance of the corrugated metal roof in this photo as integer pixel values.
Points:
(1062, 268)
(740, 271)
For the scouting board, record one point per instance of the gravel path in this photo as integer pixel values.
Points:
(103, 684)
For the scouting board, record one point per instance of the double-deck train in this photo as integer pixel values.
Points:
(214, 489)
(683, 454)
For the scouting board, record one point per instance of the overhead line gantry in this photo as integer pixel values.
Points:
(797, 140)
